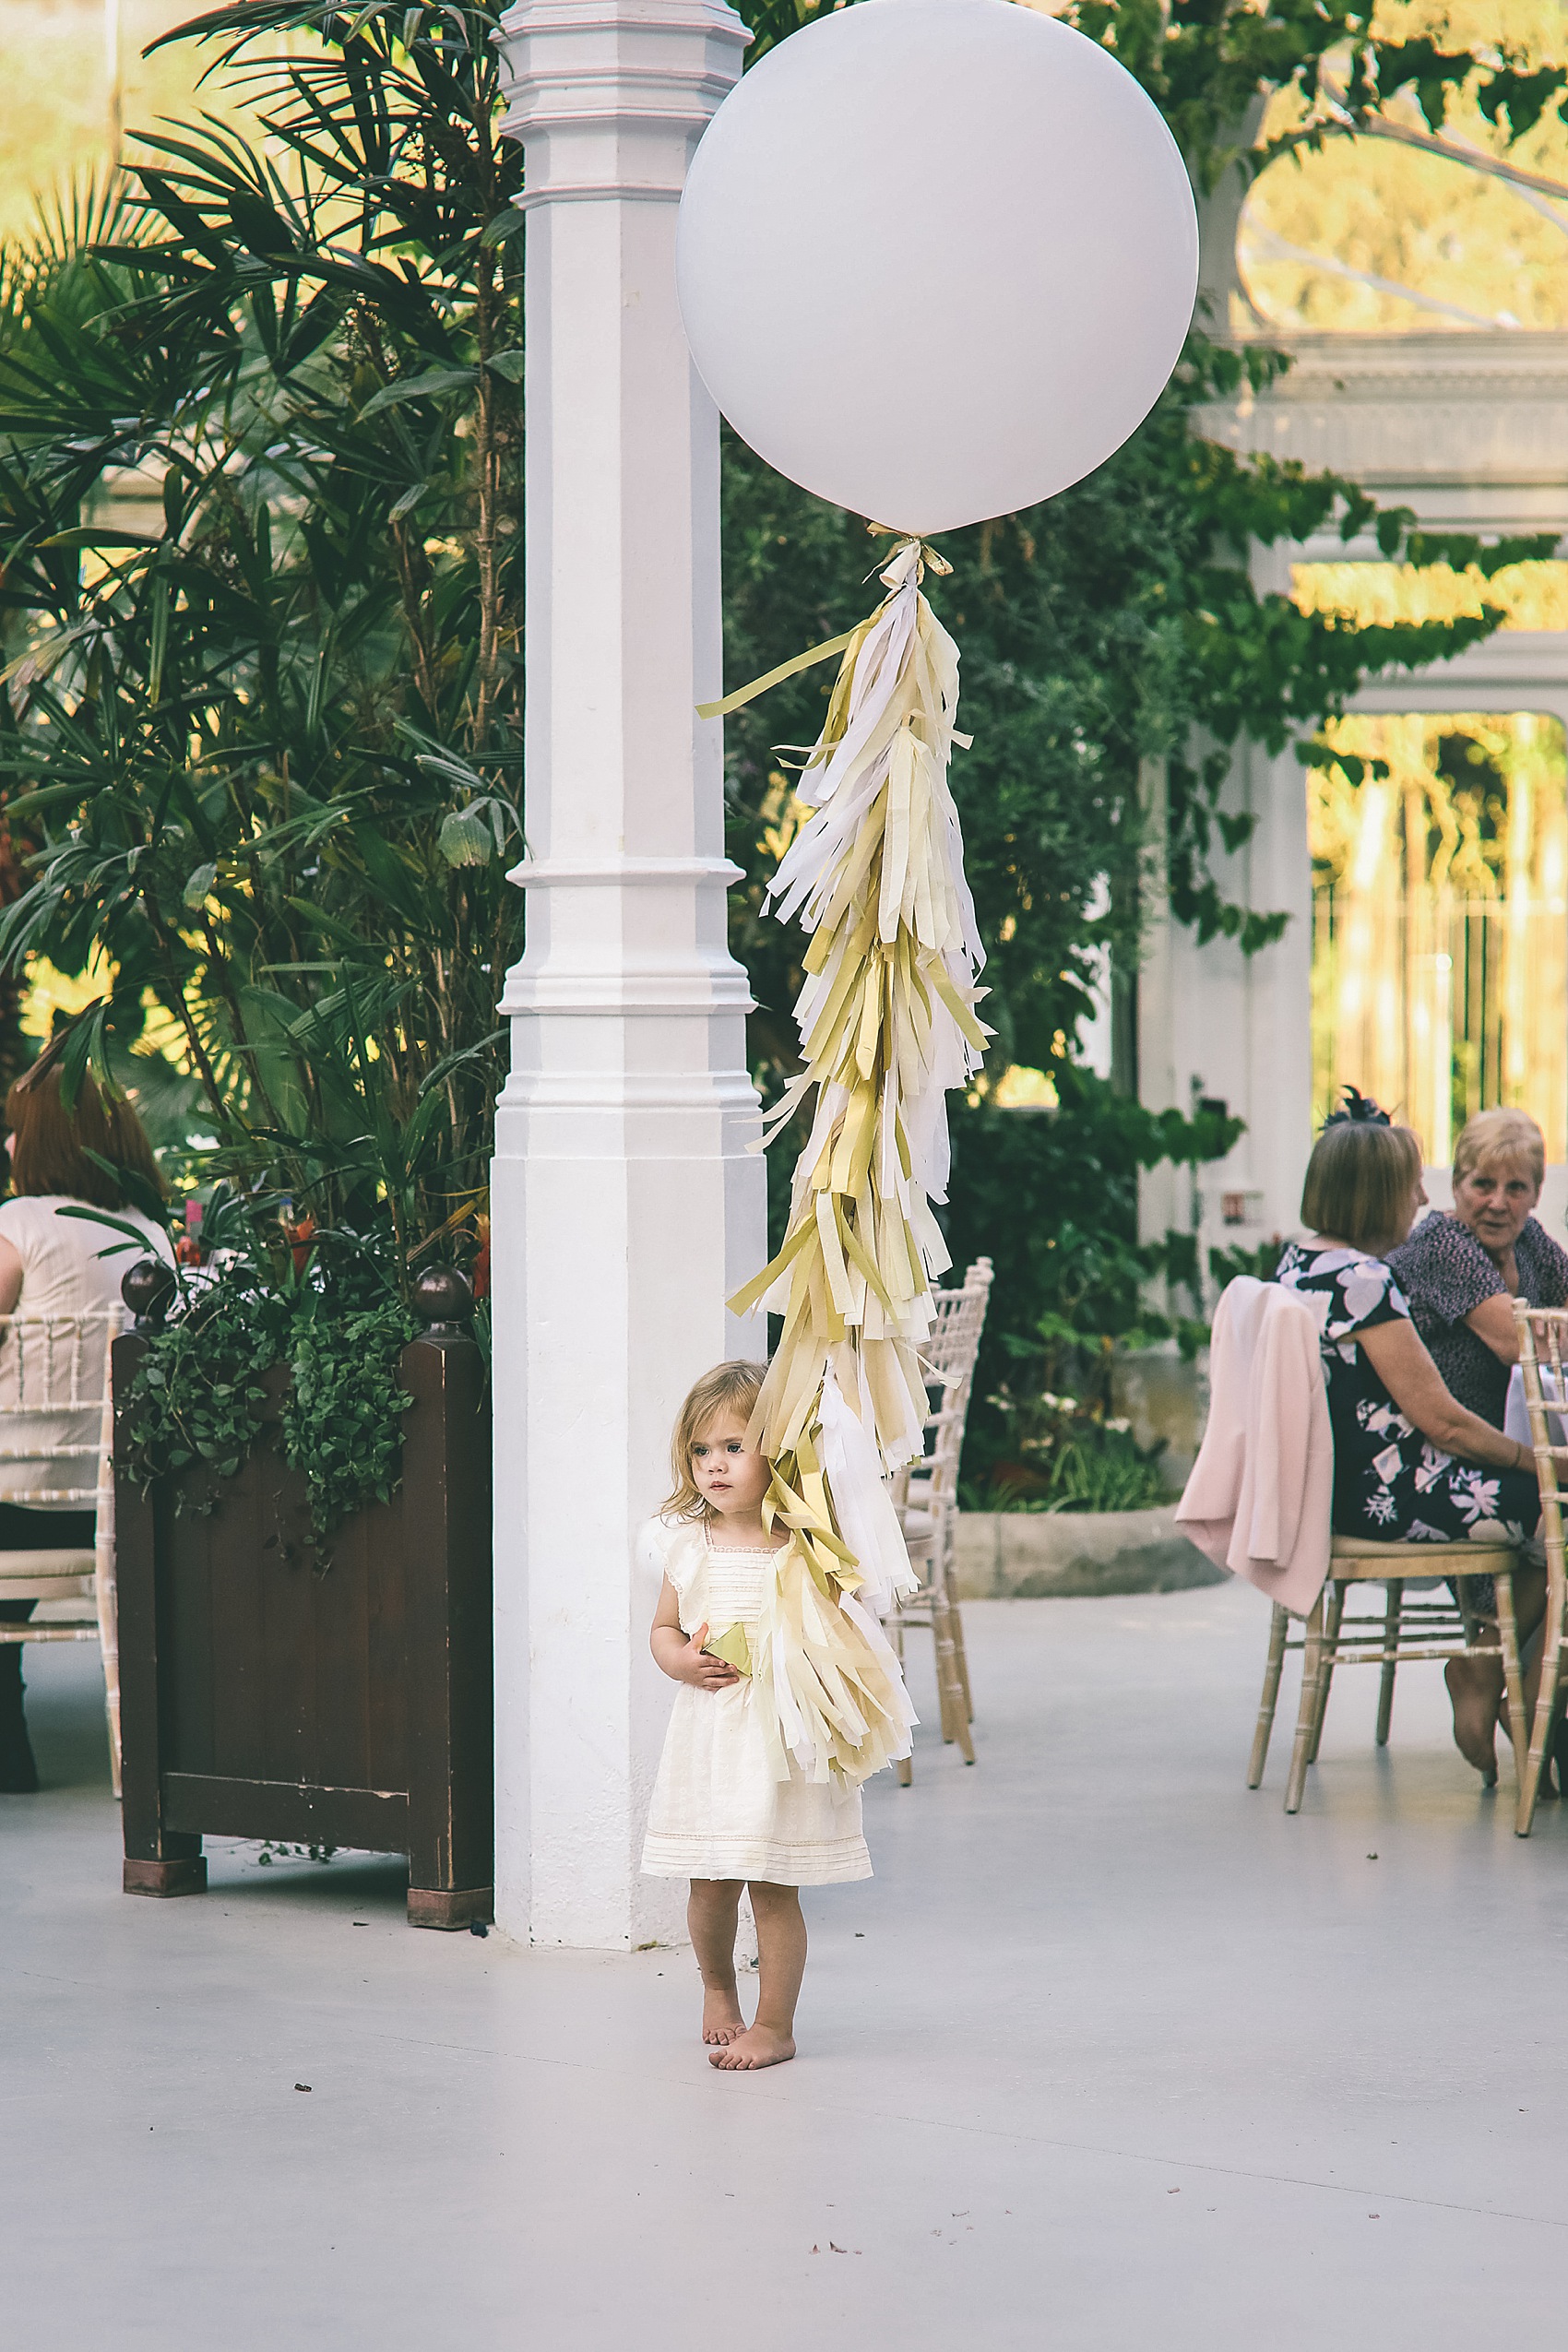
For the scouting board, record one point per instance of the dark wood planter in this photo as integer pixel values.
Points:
(262, 1697)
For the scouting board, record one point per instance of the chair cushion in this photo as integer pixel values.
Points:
(1417, 1559)
(45, 1576)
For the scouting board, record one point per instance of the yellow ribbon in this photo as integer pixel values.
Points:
(774, 677)
(930, 561)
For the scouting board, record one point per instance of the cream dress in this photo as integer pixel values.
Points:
(717, 1812)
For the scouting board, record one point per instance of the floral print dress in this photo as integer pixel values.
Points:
(1391, 1484)
(1445, 1274)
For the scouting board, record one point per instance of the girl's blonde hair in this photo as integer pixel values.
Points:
(728, 1386)
(1494, 1139)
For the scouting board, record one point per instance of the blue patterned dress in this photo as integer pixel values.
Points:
(1391, 1484)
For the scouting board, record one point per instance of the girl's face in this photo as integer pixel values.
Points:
(727, 1477)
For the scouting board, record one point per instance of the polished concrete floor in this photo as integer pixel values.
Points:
(1110, 2054)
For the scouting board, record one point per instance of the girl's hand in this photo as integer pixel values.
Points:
(683, 1660)
(691, 1663)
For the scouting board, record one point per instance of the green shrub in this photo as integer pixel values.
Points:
(329, 1312)
(1064, 1453)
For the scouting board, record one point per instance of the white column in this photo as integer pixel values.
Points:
(626, 1203)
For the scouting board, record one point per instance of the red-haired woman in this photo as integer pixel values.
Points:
(50, 1265)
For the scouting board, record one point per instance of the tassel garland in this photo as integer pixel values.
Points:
(887, 1023)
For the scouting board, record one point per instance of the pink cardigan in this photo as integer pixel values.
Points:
(1259, 1499)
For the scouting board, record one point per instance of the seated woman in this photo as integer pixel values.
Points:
(1462, 1269)
(1411, 1464)
(50, 1265)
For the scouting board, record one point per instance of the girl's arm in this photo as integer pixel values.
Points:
(1397, 1353)
(683, 1660)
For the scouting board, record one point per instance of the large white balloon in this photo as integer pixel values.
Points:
(936, 258)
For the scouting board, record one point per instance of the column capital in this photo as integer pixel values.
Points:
(645, 75)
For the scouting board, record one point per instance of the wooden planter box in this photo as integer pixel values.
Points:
(262, 1697)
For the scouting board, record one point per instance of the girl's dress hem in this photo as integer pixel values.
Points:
(791, 1865)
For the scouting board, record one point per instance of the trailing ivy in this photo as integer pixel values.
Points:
(198, 1403)
(342, 1421)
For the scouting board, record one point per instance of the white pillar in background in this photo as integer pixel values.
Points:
(626, 1205)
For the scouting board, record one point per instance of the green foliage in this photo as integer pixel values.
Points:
(1051, 1198)
(1114, 626)
(1111, 636)
(336, 1324)
(341, 1419)
(1073, 1464)
(1261, 1262)
(1104, 1474)
(264, 723)
(1206, 62)
(196, 1402)
(1065, 1452)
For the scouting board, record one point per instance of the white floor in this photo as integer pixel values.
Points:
(1110, 2054)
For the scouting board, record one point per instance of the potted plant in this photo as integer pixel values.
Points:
(260, 747)
(303, 1515)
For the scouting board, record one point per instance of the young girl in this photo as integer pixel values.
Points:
(721, 1816)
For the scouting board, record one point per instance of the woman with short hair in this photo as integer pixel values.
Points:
(1411, 1463)
(1462, 1268)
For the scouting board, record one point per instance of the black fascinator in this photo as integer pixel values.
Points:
(1360, 1110)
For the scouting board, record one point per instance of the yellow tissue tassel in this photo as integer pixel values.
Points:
(733, 1646)
(887, 1025)
(836, 1702)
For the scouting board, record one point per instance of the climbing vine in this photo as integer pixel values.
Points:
(199, 1401)
(342, 1419)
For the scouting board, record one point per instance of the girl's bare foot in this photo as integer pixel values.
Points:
(1475, 1686)
(721, 2018)
(757, 2045)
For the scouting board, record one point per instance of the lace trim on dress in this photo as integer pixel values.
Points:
(740, 1550)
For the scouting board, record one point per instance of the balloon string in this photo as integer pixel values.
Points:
(928, 560)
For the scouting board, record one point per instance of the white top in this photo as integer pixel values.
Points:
(736, 1574)
(53, 1363)
(717, 1809)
